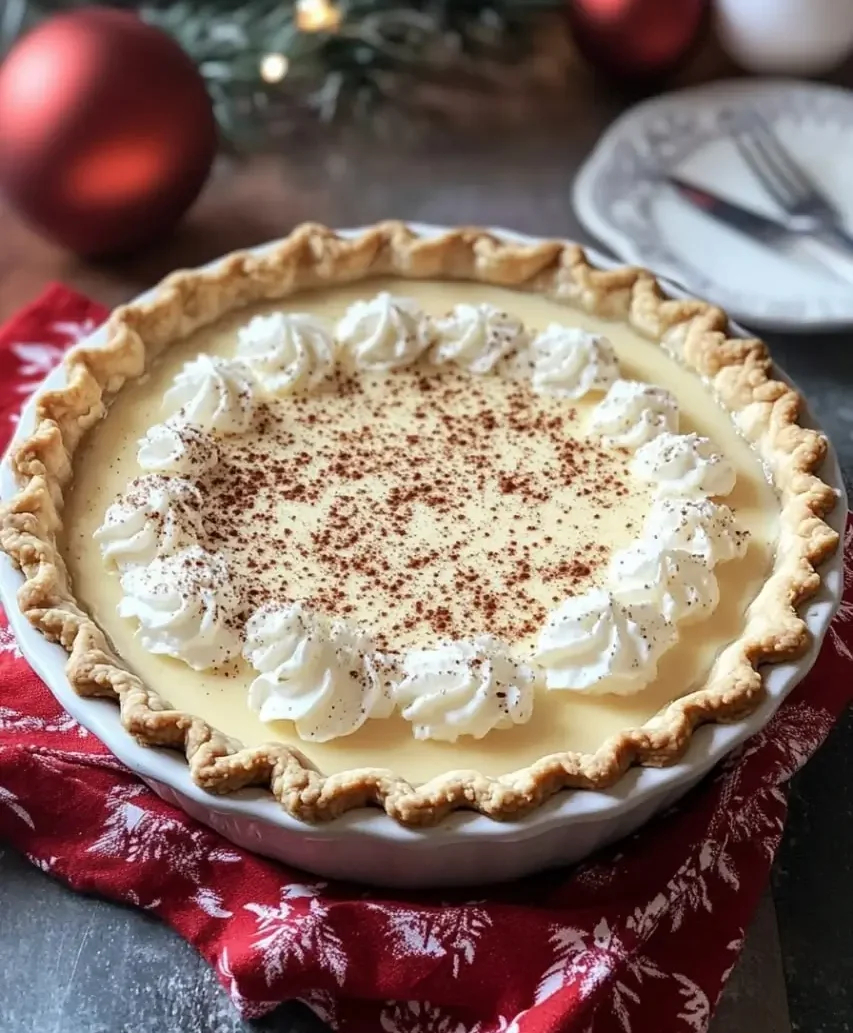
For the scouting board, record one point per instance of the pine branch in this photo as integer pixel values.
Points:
(372, 52)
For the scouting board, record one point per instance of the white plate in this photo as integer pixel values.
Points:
(619, 198)
(368, 846)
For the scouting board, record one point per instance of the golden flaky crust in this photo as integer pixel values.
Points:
(736, 370)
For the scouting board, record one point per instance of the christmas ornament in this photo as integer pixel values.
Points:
(106, 130)
(789, 37)
(632, 39)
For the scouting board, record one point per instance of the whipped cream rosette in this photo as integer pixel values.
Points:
(683, 465)
(216, 394)
(156, 516)
(464, 688)
(178, 447)
(186, 607)
(569, 362)
(594, 643)
(287, 351)
(384, 333)
(477, 337)
(323, 675)
(633, 413)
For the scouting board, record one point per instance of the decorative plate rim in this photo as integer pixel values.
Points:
(587, 187)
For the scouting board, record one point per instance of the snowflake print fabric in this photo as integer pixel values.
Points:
(607, 947)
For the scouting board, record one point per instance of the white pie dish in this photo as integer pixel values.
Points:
(464, 848)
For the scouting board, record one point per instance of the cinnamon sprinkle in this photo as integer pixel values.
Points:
(381, 495)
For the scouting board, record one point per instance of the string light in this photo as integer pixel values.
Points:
(274, 67)
(317, 16)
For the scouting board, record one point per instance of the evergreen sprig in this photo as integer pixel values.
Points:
(378, 51)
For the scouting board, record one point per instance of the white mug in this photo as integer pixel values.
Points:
(793, 37)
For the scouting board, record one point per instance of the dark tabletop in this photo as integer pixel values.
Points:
(70, 964)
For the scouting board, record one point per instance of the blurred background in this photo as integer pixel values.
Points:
(347, 112)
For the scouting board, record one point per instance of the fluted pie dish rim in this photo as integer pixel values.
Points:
(741, 376)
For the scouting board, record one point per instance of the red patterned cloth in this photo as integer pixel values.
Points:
(607, 947)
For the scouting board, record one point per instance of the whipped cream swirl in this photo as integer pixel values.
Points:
(632, 413)
(287, 351)
(701, 528)
(682, 587)
(464, 688)
(477, 337)
(569, 362)
(685, 465)
(156, 516)
(186, 606)
(177, 447)
(322, 675)
(593, 643)
(385, 333)
(213, 393)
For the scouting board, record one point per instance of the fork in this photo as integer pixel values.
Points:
(785, 180)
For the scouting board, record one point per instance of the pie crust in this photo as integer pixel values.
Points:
(737, 371)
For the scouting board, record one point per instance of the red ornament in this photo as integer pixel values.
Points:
(632, 39)
(106, 130)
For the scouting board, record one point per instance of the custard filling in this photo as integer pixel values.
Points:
(422, 507)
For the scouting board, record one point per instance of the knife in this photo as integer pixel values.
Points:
(765, 229)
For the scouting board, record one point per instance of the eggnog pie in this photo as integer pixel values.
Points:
(422, 523)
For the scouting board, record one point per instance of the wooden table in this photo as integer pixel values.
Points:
(93, 967)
